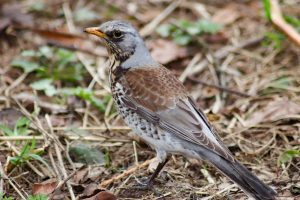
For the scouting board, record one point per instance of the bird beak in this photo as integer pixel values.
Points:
(95, 31)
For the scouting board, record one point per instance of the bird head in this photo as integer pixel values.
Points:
(122, 41)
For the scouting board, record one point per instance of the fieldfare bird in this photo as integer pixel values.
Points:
(158, 108)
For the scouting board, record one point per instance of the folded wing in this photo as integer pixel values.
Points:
(158, 96)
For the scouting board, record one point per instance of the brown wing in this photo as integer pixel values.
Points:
(156, 94)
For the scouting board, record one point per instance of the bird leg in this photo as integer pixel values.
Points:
(149, 182)
(156, 172)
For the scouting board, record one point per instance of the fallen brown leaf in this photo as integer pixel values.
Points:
(165, 51)
(57, 37)
(90, 190)
(46, 187)
(227, 15)
(103, 195)
(88, 173)
(216, 38)
(95, 172)
(81, 176)
(66, 40)
(273, 111)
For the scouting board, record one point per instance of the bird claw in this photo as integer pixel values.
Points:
(143, 184)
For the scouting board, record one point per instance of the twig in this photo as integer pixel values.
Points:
(219, 87)
(126, 173)
(55, 108)
(149, 28)
(163, 196)
(38, 125)
(53, 163)
(190, 66)
(29, 137)
(219, 192)
(89, 68)
(98, 128)
(63, 170)
(61, 183)
(2, 175)
(136, 159)
(260, 150)
(60, 161)
(218, 104)
(80, 56)
(280, 23)
(68, 155)
(86, 114)
(16, 83)
(16, 189)
(222, 53)
(207, 175)
(198, 8)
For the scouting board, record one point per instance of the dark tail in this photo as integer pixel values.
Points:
(248, 182)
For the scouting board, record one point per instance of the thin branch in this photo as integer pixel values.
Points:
(61, 162)
(61, 183)
(149, 28)
(126, 173)
(223, 52)
(98, 128)
(280, 23)
(55, 108)
(219, 87)
(2, 175)
(16, 189)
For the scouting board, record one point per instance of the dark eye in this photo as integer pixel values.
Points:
(117, 34)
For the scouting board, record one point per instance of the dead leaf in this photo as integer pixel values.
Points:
(66, 40)
(273, 111)
(95, 172)
(90, 190)
(227, 15)
(46, 187)
(91, 173)
(165, 51)
(54, 36)
(216, 38)
(103, 195)
(11, 14)
(9, 117)
(81, 175)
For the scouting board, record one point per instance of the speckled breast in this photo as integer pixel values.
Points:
(139, 125)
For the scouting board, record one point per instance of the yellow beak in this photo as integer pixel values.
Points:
(95, 31)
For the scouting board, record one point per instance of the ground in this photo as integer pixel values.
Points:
(60, 134)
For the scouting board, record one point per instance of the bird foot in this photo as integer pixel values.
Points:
(143, 184)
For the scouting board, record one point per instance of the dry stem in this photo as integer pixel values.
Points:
(126, 173)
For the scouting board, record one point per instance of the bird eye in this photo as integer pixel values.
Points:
(117, 34)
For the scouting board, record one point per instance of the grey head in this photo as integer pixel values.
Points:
(123, 43)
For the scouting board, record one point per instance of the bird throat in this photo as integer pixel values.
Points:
(115, 69)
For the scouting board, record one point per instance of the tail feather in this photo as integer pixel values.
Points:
(239, 174)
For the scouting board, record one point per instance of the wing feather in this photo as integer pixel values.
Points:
(159, 97)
